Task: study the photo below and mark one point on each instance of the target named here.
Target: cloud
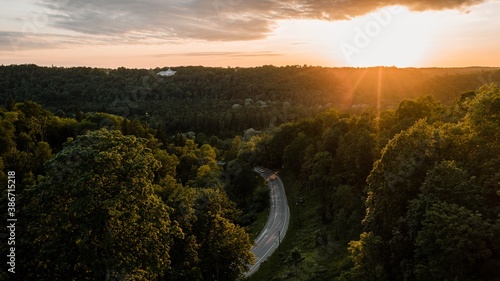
(167, 19)
(212, 20)
(16, 41)
(223, 54)
(345, 9)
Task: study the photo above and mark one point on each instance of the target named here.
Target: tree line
(227, 101)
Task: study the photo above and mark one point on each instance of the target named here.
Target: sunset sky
(157, 33)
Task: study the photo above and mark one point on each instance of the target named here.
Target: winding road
(277, 223)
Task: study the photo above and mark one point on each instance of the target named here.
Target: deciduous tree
(95, 215)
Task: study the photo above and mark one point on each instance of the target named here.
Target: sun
(392, 36)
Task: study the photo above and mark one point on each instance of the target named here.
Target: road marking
(261, 235)
(279, 205)
(257, 263)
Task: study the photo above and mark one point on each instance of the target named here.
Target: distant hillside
(212, 100)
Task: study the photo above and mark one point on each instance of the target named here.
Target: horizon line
(258, 66)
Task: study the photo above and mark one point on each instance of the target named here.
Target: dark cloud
(214, 20)
(345, 9)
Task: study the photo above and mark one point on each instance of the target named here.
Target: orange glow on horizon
(392, 36)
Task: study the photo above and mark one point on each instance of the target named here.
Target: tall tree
(453, 244)
(224, 246)
(95, 215)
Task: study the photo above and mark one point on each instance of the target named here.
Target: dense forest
(102, 198)
(126, 175)
(226, 101)
(405, 194)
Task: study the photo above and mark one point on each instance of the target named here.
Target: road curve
(277, 223)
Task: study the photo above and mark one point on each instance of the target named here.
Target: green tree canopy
(95, 215)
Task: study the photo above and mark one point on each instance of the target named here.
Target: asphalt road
(277, 223)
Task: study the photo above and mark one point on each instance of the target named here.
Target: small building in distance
(168, 72)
